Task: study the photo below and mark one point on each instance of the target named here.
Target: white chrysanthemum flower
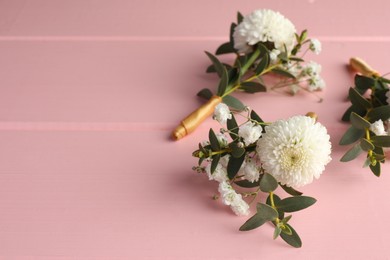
(219, 175)
(264, 26)
(222, 113)
(250, 132)
(315, 46)
(231, 198)
(251, 172)
(239, 206)
(295, 151)
(378, 128)
(222, 139)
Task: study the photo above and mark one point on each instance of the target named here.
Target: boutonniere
(369, 116)
(252, 158)
(261, 43)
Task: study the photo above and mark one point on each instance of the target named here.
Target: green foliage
(205, 93)
(253, 87)
(214, 162)
(213, 141)
(264, 214)
(358, 100)
(256, 117)
(234, 166)
(359, 122)
(225, 48)
(233, 103)
(216, 63)
(232, 127)
(297, 203)
(283, 72)
(293, 240)
(268, 183)
(381, 141)
(352, 153)
(291, 190)
(382, 112)
(366, 145)
(237, 151)
(352, 135)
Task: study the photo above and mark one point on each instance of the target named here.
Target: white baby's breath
(264, 26)
(218, 175)
(315, 46)
(251, 172)
(295, 151)
(231, 198)
(222, 113)
(378, 128)
(222, 140)
(250, 132)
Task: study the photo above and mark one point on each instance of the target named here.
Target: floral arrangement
(263, 42)
(369, 115)
(260, 157)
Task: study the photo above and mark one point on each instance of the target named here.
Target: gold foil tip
(362, 67)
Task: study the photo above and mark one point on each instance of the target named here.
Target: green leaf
(268, 183)
(205, 93)
(225, 48)
(234, 166)
(352, 153)
(287, 230)
(223, 83)
(232, 127)
(293, 204)
(283, 73)
(359, 122)
(367, 162)
(217, 64)
(264, 213)
(237, 152)
(277, 232)
(253, 87)
(366, 145)
(214, 162)
(263, 64)
(376, 170)
(213, 141)
(381, 140)
(358, 100)
(276, 200)
(291, 190)
(231, 38)
(247, 184)
(382, 112)
(293, 240)
(256, 117)
(353, 108)
(351, 135)
(239, 17)
(363, 83)
(233, 103)
(296, 59)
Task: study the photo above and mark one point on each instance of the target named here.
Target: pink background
(89, 92)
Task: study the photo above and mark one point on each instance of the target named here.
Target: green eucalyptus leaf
(276, 200)
(225, 48)
(233, 103)
(263, 64)
(217, 64)
(367, 162)
(382, 112)
(232, 127)
(253, 87)
(293, 240)
(353, 108)
(231, 38)
(351, 135)
(363, 83)
(358, 100)
(287, 230)
(291, 190)
(205, 93)
(247, 184)
(296, 59)
(213, 141)
(366, 145)
(376, 169)
(256, 117)
(352, 153)
(254, 222)
(234, 165)
(283, 73)
(381, 140)
(359, 122)
(277, 232)
(223, 83)
(214, 162)
(237, 151)
(268, 183)
(293, 204)
(239, 17)
(267, 212)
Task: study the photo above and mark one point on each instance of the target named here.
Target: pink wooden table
(89, 92)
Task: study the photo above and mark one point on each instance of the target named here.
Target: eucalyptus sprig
(261, 157)
(369, 115)
(279, 52)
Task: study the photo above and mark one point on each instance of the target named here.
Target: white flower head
(222, 113)
(219, 175)
(273, 55)
(231, 198)
(312, 69)
(222, 139)
(251, 172)
(378, 128)
(239, 206)
(250, 132)
(264, 26)
(316, 83)
(295, 151)
(315, 46)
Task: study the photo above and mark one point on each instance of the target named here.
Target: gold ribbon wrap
(362, 67)
(193, 120)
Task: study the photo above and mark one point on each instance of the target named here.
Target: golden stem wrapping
(193, 120)
(362, 67)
